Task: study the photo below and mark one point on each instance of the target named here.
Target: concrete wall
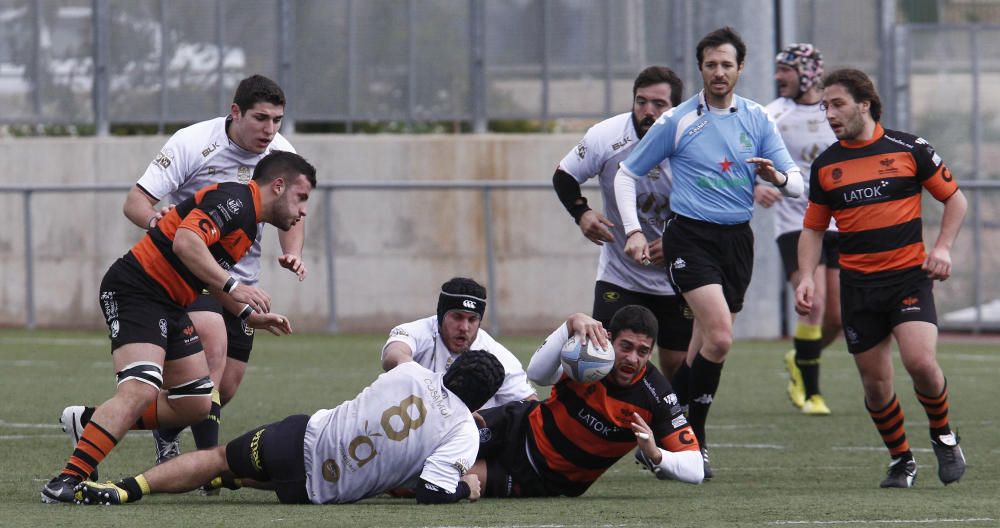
(392, 249)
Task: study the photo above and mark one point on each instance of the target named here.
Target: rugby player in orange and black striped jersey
(871, 182)
(562, 445)
(143, 294)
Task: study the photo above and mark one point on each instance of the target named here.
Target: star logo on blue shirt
(725, 164)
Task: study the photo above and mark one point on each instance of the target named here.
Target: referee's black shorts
(788, 246)
(700, 253)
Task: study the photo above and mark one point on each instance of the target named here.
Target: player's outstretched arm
(544, 367)
(428, 493)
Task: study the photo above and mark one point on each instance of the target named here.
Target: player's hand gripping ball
(585, 362)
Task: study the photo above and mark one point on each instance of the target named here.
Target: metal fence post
(886, 61)
(477, 66)
(977, 218)
(29, 263)
(331, 282)
(607, 57)
(546, 18)
(220, 43)
(352, 66)
(411, 64)
(162, 125)
(491, 272)
(101, 48)
(286, 61)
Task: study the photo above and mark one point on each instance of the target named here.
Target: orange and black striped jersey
(224, 215)
(584, 428)
(873, 189)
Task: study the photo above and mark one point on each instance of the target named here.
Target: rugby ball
(584, 362)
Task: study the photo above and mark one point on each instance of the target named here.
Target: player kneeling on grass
(409, 423)
(163, 378)
(562, 445)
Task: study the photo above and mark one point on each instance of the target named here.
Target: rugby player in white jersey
(435, 342)
(410, 427)
(620, 280)
(803, 127)
(223, 149)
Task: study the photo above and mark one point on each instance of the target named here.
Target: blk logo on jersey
(210, 149)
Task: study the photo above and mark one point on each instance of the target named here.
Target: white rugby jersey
(201, 155)
(428, 348)
(806, 134)
(602, 148)
(403, 426)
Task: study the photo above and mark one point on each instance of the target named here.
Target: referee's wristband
(230, 285)
(785, 182)
(245, 312)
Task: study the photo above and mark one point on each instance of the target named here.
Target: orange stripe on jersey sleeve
(896, 259)
(162, 272)
(199, 222)
(942, 184)
(680, 440)
(817, 217)
(878, 215)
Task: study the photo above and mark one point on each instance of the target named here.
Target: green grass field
(773, 466)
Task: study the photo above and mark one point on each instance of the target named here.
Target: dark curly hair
(635, 318)
(474, 377)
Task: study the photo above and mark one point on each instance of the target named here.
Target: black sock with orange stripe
(889, 422)
(936, 408)
(94, 445)
(705, 376)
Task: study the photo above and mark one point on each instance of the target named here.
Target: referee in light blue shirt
(717, 143)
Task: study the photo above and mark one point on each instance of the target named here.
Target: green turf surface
(773, 466)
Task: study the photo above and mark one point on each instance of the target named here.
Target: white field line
(49, 363)
(16, 425)
(30, 437)
(878, 448)
(53, 341)
(888, 521)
